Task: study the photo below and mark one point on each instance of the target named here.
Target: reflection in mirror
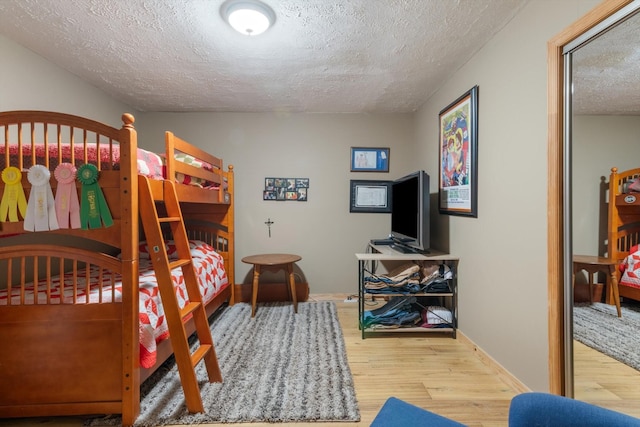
(605, 133)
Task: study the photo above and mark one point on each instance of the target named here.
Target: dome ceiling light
(249, 17)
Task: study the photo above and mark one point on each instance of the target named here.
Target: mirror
(604, 126)
(559, 230)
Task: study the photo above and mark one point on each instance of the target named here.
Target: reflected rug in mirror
(276, 367)
(598, 326)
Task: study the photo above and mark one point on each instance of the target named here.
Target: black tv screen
(410, 211)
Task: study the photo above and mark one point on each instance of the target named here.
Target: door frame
(558, 354)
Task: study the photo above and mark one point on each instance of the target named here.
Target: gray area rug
(276, 367)
(598, 326)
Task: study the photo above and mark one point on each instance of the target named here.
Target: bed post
(230, 222)
(130, 297)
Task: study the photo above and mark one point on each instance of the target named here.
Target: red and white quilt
(631, 268)
(212, 279)
(149, 164)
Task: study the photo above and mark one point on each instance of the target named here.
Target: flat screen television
(410, 212)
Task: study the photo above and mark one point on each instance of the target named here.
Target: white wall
(503, 268)
(29, 82)
(599, 143)
(314, 146)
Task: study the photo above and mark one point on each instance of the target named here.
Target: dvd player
(382, 241)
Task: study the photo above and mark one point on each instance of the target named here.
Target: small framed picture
(369, 159)
(302, 194)
(370, 196)
(269, 184)
(294, 189)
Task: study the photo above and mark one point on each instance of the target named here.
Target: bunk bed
(77, 350)
(624, 228)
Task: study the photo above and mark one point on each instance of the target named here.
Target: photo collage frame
(283, 189)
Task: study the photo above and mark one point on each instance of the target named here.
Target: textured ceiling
(606, 77)
(321, 55)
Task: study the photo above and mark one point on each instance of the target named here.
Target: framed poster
(369, 159)
(458, 141)
(370, 196)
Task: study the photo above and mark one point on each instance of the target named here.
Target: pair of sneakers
(434, 272)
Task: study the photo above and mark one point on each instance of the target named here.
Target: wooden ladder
(152, 225)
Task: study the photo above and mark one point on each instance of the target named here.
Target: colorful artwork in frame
(458, 141)
(369, 159)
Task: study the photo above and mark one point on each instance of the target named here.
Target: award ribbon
(66, 201)
(41, 214)
(94, 210)
(13, 199)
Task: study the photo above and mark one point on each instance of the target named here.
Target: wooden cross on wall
(269, 222)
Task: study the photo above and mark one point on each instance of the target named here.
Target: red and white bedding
(149, 164)
(630, 268)
(212, 279)
(192, 180)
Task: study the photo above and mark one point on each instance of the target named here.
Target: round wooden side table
(272, 262)
(593, 265)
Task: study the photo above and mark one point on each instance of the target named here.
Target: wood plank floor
(603, 381)
(441, 374)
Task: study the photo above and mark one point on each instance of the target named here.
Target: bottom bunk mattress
(209, 267)
(630, 268)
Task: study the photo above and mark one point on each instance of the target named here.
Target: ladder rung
(169, 219)
(179, 263)
(200, 353)
(189, 308)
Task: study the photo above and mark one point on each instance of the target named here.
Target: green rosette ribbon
(94, 210)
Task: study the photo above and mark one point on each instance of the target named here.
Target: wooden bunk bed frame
(624, 223)
(83, 358)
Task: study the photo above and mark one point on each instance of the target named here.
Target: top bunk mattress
(104, 156)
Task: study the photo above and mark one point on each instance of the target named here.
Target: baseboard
(269, 292)
(500, 370)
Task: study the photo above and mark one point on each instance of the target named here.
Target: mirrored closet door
(602, 131)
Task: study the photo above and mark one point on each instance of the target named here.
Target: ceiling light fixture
(249, 17)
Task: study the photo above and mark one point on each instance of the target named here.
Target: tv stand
(386, 257)
(403, 249)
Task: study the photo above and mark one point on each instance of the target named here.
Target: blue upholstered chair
(398, 413)
(526, 410)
